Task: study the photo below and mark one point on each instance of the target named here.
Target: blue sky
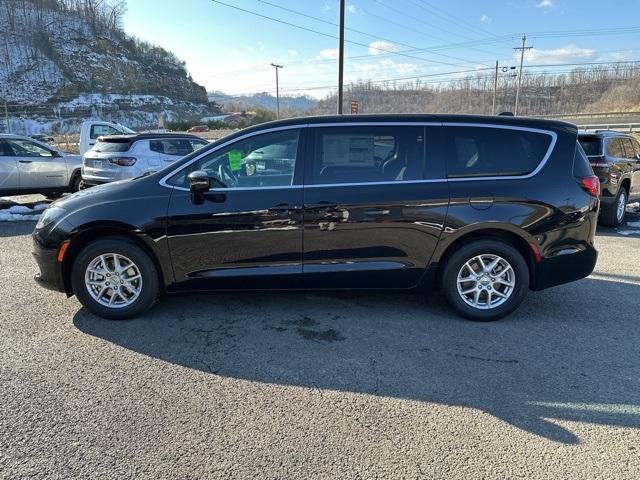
(230, 50)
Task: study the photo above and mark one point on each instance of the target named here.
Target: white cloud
(568, 54)
(380, 46)
(545, 4)
(328, 53)
(292, 52)
(484, 18)
(351, 8)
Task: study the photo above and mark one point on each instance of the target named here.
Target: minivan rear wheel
(485, 280)
(115, 279)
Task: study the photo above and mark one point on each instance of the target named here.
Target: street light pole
(341, 58)
(276, 66)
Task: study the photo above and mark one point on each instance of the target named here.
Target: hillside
(66, 58)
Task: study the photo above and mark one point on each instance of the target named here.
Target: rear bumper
(565, 267)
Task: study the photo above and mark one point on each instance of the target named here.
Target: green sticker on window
(235, 160)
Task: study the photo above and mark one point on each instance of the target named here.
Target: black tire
(74, 186)
(609, 216)
(150, 285)
(83, 185)
(466, 253)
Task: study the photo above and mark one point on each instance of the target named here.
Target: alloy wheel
(486, 281)
(113, 280)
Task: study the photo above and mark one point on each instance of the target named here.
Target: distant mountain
(264, 100)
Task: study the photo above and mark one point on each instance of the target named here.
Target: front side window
(367, 154)
(266, 160)
(489, 151)
(24, 148)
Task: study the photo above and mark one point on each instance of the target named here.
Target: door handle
(25, 161)
(283, 207)
(321, 205)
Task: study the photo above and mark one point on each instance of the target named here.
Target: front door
(39, 166)
(372, 216)
(247, 232)
(9, 176)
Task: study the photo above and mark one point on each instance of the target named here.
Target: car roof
(133, 137)
(418, 118)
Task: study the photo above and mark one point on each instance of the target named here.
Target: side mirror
(199, 181)
(199, 184)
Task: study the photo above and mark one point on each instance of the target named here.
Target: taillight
(123, 161)
(590, 184)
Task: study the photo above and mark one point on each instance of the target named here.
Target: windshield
(592, 146)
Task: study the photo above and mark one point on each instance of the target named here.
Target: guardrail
(589, 115)
(625, 127)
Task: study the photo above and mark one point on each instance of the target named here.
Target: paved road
(322, 386)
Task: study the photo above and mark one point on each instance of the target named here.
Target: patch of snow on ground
(18, 213)
(629, 232)
(633, 224)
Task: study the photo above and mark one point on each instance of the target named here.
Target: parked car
(485, 208)
(118, 157)
(615, 159)
(41, 137)
(30, 166)
(198, 128)
(91, 130)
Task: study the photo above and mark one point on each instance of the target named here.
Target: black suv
(484, 208)
(615, 159)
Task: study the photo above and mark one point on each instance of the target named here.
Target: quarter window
(367, 154)
(266, 160)
(628, 148)
(490, 151)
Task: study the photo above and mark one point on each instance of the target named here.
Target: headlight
(51, 214)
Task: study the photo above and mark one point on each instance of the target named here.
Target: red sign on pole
(354, 107)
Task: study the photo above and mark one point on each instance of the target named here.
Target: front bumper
(50, 274)
(565, 267)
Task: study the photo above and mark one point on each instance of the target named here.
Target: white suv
(119, 157)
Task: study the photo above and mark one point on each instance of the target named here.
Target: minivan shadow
(564, 356)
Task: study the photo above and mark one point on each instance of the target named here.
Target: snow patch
(629, 232)
(22, 213)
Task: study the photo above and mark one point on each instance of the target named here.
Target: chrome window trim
(541, 165)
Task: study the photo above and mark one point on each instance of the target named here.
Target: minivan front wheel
(485, 280)
(115, 279)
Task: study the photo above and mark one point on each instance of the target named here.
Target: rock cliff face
(51, 51)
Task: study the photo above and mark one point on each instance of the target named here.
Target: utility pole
(522, 49)
(341, 58)
(6, 116)
(276, 66)
(495, 90)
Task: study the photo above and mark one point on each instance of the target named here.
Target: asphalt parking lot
(323, 386)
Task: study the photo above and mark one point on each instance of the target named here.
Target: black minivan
(483, 208)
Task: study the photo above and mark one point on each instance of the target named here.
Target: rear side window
(614, 148)
(367, 154)
(112, 146)
(100, 130)
(489, 151)
(592, 146)
(178, 147)
(628, 148)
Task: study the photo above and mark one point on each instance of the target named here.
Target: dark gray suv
(615, 159)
